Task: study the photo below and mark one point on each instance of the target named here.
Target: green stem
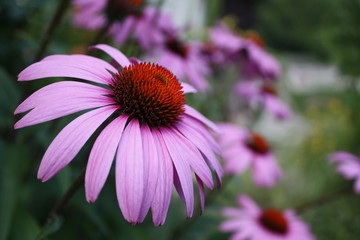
(49, 33)
(75, 186)
(323, 200)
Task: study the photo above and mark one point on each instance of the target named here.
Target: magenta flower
(156, 138)
(128, 18)
(184, 60)
(348, 165)
(249, 222)
(229, 47)
(242, 149)
(263, 95)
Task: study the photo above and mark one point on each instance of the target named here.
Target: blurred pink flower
(184, 60)
(242, 148)
(147, 24)
(149, 28)
(249, 222)
(349, 166)
(229, 47)
(158, 140)
(263, 95)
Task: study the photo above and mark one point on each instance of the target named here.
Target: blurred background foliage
(324, 30)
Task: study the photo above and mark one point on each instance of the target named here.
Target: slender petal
(195, 114)
(151, 170)
(182, 168)
(70, 140)
(162, 197)
(60, 90)
(75, 66)
(56, 107)
(201, 193)
(101, 157)
(187, 88)
(190, 154)
(130, 171)
(114, 53)
(200, 142)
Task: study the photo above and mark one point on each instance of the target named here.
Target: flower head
(156, 139)
(127, 17)
(252, 223)
(348, 165)
(263, 95)
(184, 59)
(242, 149)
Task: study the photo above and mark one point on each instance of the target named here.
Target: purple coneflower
(263, 95)
(249, 222)
(156, 138)
(126, 17)
(348, 166)
(184, 59)
(242, 148)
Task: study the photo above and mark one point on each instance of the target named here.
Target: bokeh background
(318, 46)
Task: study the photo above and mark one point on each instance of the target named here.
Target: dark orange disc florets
(177, 47)
(149, 93)
(257, 143)
(269, 88)
(274, 221)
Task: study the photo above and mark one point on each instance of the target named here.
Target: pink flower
(242, 148)
(128, 18)
(149, 28)
(349, 166)
(257, 63)
(184, 60)
(265, 96)
(156, 138)
(230, 47)
(249, 222)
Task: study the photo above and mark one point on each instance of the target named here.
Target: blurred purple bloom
(148, 25)
(263, 95)
(250, 222)
(349, 166)
(242, 149)
(156, 139)
(184, 60)
(229, 47)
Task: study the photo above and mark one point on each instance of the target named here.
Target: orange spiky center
(269, 88)
(255, 38)
(149, 93)
(177, 47)
(274, 221)
(257, 143)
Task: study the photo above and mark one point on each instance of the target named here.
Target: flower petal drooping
(158, 141)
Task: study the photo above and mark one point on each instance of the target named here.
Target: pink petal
(75, 66)
(122, 31)
(182, 168)
(101, 157)
(187, 88)
(249, 205)
(130, 169)
(201, 193)
(57, 106)
(57, 91)
(190, 154)
(200, 128)
(195, 114)
(151, 169)
(114, 53)
(70, 140)
(162, 197)
(200, 142)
